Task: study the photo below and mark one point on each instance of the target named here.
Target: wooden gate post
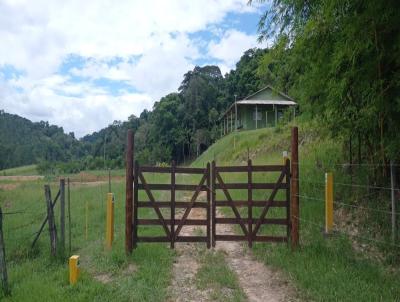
(173, 167)
(294, 200)
(208, 207)
(249, 204)
(213, 205)
(129, 191)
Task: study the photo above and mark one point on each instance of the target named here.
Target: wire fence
(336, 231)
(88, 196)
(24, 215)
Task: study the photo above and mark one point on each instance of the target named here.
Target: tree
(344, 67)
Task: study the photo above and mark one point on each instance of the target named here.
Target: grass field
(24, 170)
(106, 276)
(323, 269)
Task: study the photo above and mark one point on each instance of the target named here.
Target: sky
(83, 64)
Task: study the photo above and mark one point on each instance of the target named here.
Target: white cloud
(37, 37)
(157, 72)
(78, 107)
(230, 48)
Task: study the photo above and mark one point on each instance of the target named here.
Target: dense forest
(339, 59)
(24, 142)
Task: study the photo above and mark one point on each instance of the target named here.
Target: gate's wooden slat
(168, 221)
(156, 209)
(167, 187)
(244, 203)
(258, 168)
(231, 237)
(243, 186)
(268, 168)
(152, 169)
(190, 170)
(153, 239)
(192, 201)
(270, 239)
(254, 239)
(178, 239)
(278, 221)
(191, 239)
(228, 196)
(270, 199)
(167, 204)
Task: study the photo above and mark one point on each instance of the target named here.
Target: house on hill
(261, 109)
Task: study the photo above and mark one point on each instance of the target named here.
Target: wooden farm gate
(250, 225)
(250, 212)
(171, 225)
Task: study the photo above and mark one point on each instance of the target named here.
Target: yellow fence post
(110, 220)
(73, 269)
(328, 202)
(285, 157)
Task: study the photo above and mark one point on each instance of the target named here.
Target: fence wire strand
(347, 234)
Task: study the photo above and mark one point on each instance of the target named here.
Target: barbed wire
(349, 205)
(345, 164)
(347, 234)
(347, 184)
(366, 208)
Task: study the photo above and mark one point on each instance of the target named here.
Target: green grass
(24, 170)
(215, 274)
(322, 269)
(33, 276)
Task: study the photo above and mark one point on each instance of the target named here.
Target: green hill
(23, 142)
(354, 264)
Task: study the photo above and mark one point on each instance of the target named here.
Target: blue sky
(82, 65)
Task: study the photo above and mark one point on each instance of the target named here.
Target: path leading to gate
(258, 282)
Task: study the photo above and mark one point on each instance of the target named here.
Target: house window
(257, 115)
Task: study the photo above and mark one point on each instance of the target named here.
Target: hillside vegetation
(357, 262)
(24, 142)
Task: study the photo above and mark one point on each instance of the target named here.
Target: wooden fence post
(294, 201)
(62, 216)
(129, 191)
(52, 225)
(69, 216)
(110, 221)
(328, 202)
(393, 198)
(3, 266)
